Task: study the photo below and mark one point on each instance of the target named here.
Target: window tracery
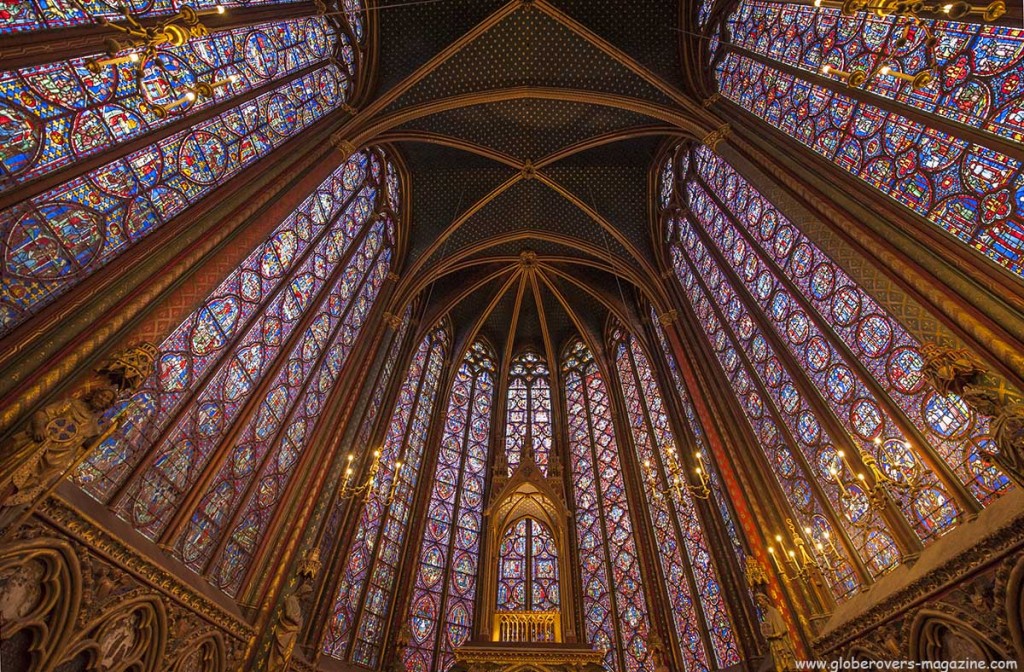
(770, 300)
(614, 600)
(528, 422)
(366, 591)
(280, 326)
(970, 190)
(278, 79)
(444, 589)
(691, 579)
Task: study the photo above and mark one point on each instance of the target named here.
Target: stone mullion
(496, 441)
(456, 507)
(43, 183)
(907, 540)
(279, 434)
(386, 510)
(673, 512)
(712, 525)
(263, 580)
(659, 607)
(939, 466)
(247, 413)
(599, 504)
(980, 301)
(340, 404)
(975, 135)
(124, 293)
(420, 505)
(198, 385)
(751, 487)
(835, 518)
(350, 522)
(38, 47)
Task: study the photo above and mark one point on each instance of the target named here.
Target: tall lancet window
(445, 586)
(786, 64)
(366, 591)
(529, 411)
(528, 568)
(137, 143)
(208, 445)
(854, 360)
(613, 594)
(691, 580)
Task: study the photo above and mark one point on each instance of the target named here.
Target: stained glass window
(691, 578)
(365, 594)
(196, 349)
(614, 606)
(33, 15)
(445, 583)
(931, 511)
(332, 526)
(284, 323)
(972, 191)
(281, 78)
(528, 425)
(700, 443)
(528, 568)
(780, 255)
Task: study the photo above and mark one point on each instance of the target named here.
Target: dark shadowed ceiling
(529, 129)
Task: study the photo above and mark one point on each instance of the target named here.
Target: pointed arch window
(698, 609)
(256, 363)
(444, 590)
(613, 593)
(864, 365)
(528, 424)
(366, 591)
(332, 526)
(891, 137)
(820, 348)
(700, 443)
(279, 79)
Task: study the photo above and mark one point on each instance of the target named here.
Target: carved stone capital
(393, 321)
(949, 370)
(668, 317)
(711, 100)
(345, 146)
(712, 139)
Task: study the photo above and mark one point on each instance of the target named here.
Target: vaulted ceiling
(530, 127)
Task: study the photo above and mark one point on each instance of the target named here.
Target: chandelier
(917, 15)
(139, 45)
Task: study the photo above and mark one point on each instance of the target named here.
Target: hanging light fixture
(917, 16)
(143, 44)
